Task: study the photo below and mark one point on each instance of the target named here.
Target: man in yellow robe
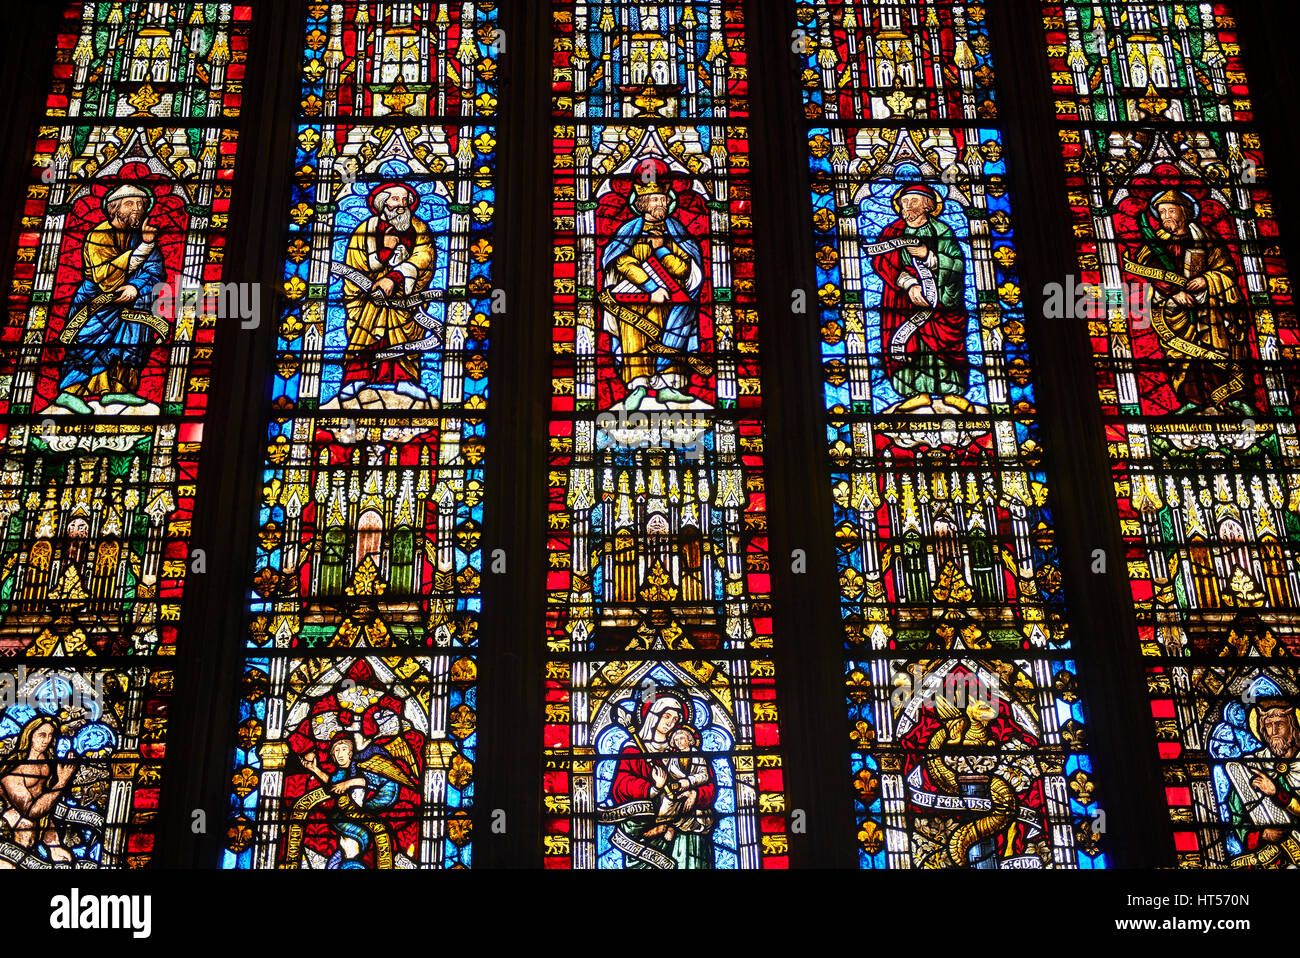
(1199, 314)
(394, 252)
(653, 275)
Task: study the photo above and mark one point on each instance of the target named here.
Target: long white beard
(399, 220)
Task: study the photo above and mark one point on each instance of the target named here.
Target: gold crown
(650, 189)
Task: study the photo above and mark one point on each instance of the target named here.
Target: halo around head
(1253, 716)
(919, 189)
(127, 191)
(664, 700)
(382, 191)
(655, 188)
(1175, 198)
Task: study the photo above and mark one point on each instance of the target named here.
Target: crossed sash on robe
(929, 289)
(625, 294)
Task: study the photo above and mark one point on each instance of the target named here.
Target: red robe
(944, 334)
(632, 781)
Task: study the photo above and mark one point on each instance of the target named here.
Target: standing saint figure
(1263, 804)
(111, 326)
(1198, 313)
(390, 260)
(643, 780)
(923, 303)
(653, 274)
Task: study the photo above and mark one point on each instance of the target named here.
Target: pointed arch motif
(658, 550)
(1194, 337)
(944, 529)
(368, 566)
(103, 387)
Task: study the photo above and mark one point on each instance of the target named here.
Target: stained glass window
(661, 730)
(966, 731)
(878, 60)
(1194, 333)
(364, 604)
(104, 375)
(344, 619)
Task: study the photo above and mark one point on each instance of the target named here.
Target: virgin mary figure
(643, 780)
